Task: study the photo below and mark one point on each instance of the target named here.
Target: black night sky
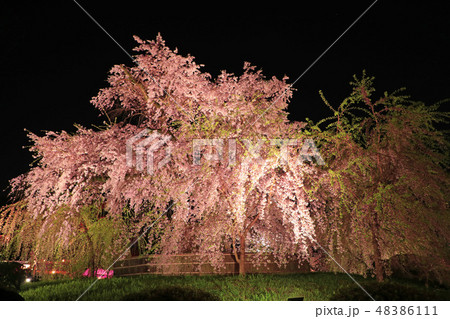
(54, 58)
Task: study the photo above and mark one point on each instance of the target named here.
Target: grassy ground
(312, 286)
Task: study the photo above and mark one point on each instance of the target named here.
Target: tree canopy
(254, 198)
(234, 173)
(385, 186)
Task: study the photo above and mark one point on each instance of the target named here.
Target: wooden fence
(189, 264)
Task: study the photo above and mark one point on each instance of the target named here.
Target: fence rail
(191, 264)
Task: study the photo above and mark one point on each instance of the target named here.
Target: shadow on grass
(9, 295)
(389, 292)
(170, 294)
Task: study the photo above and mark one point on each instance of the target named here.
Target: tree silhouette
(386, 180)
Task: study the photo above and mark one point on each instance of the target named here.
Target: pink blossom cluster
(99, 273)
(261, 200)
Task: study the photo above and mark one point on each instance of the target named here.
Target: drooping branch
(135, 81)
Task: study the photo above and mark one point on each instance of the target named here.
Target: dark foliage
(420, 268)
(389, 292)
(11, 275)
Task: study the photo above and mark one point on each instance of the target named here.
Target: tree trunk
(242, 238)
(91, 261)
(91, 257)
(134, 249)
(379, 272)
(242, 255)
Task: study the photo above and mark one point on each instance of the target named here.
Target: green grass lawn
(312, 286)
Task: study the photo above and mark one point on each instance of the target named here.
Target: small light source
(63, 260)
(28, 279)
(53, 272)
(26, 266)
